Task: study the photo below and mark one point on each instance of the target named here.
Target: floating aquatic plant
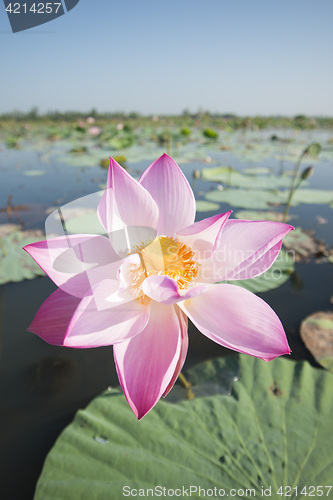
(313, 150)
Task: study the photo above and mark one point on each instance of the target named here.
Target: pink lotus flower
(94, 131)
(136, 288)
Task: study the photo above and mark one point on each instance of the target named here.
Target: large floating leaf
(313, 196)
(259, 215)
(302, 243)
(87, 223)
(206, 206)
(33, 173)
(15, 263)
(231, 177)
(274, 277)
(260, 199)
(79, 160)
(244, 198)
(256, 170)
(121, 142)
(274, 430)
(317, 334)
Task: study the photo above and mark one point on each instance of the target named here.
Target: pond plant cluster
(233, 422)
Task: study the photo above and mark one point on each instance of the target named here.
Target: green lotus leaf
(123, 142)
(245, 198)
(33, 173)
(185, 131)
(301, 242)
(79, 160)
(79, 149)
(210, 133)
(259, 215)
(231, 177)
(206, 206)
(313, 196)
(15, 263)
(327, 363)
(317, 334)
(264, 198)
(87, 223)
(257, 170)
(273, 431)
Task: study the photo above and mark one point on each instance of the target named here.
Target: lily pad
(124, 142)
(258, 215)
(84, 224)
(244, 198)
(264, 198)
(302, 243)
(210, 133)
(257, 170)
(313, 196)
(274, 277)
(274, 431)
(15, 263)
(6, 229)
(206, 206)
(317, 334)
(79, 160)
(33, 173)
(232, 177)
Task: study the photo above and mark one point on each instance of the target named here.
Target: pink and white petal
(246, 249)
(183, 348)
(236, 318)
(165, 290)
(53, 316)
(146, 363)
(105, 316)
(124, 272)
(125, 202)
(170, 189)
(72, 261)
(258, 266)
(203, 236)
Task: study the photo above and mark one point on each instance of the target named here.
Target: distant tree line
(191, 118)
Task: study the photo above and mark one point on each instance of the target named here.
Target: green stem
(2, 247)
(292, 187)
(187, 385)
(170, 144)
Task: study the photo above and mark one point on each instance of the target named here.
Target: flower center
(163, 256)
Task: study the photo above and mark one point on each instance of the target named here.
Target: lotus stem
(292, 186)
(2, 247)
(170, 144)
(187, 385)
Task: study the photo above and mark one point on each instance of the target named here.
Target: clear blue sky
(157, 56)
